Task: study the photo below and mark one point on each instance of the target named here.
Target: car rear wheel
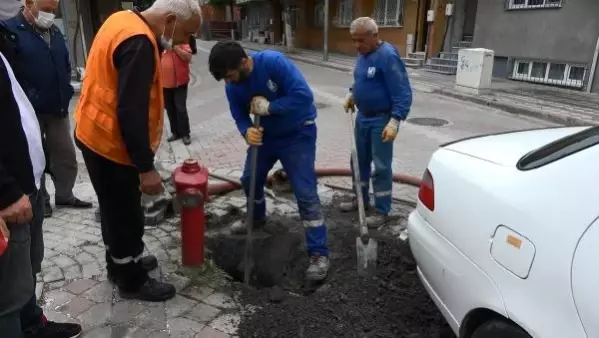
(497, 328)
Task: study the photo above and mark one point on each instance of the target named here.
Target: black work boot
(134, 283)
(148, 263)
(150, 291)
(47, 209)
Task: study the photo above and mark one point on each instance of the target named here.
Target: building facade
(546, 41)
(401, 22)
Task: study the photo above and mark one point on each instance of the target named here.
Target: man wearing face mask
(44, 60)
(119, 121)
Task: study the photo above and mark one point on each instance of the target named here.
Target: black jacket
(16, 171)
(193, 44)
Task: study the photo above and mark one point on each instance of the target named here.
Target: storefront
(79, 21)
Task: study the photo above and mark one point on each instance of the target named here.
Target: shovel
(366, 247)
(249, 223)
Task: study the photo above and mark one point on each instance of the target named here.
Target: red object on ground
(191, 183)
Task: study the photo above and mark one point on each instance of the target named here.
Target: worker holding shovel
(267, 85)
(383, 96)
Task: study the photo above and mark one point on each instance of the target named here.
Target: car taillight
(426, 194)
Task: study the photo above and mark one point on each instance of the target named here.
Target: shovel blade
(367, 253)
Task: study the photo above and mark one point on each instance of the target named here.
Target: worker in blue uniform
(382, 94)
(268, 85)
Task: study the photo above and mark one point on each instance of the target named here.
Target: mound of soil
(391, 304)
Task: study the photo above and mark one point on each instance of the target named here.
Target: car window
(559, 149)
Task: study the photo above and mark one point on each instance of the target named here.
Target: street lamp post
(325, 50)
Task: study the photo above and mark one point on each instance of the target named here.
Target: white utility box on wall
(475, 70)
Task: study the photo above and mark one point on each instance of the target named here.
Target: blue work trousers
(297, 153)
(371, 148)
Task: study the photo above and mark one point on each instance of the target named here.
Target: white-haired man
(382, 94)
(119, 121)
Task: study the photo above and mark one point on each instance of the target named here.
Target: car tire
(497, 328)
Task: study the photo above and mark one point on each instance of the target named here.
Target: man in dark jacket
(21, 169)
(44, 59)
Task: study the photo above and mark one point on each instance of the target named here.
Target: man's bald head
(365, 34)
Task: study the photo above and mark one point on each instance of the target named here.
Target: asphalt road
(217, 141)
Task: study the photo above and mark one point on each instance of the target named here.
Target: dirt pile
(391, 304)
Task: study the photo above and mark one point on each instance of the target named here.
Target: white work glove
(390, 131)
(348, 103)
(259, 106)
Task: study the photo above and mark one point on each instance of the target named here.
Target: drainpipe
(593, 67)
(325, 50)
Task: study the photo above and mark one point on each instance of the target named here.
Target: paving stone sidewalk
(563, 106)
(73, 284)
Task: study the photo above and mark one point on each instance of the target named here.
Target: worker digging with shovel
(269, 86)
(382, 93)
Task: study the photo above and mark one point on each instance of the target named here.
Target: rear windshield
(559, 149)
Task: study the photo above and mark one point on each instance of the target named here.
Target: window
(554, 73)
(255, 16)
(531, 4)
(319, 14)
(345, 13)
(559, 149)
(388, 12)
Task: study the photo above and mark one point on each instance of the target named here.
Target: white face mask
(168, 43)
(44, 20)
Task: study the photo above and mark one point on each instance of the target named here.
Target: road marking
(433, 134)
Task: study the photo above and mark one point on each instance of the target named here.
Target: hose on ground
(280, 177)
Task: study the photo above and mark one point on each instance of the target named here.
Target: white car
(506, 233)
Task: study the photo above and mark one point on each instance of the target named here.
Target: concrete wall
(566, 34)
(70, 17)
(86, 9)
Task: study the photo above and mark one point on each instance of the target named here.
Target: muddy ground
(391, 304)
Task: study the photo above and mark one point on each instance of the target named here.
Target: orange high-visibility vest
(97, 124)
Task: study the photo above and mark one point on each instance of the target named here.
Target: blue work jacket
(45, 68)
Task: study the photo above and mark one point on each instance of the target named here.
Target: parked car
(506, 233)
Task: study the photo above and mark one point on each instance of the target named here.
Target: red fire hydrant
(191, 183)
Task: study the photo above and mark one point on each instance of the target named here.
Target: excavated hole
(278, 256)
(391, 304)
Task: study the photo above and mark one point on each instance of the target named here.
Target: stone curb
(513, 109)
